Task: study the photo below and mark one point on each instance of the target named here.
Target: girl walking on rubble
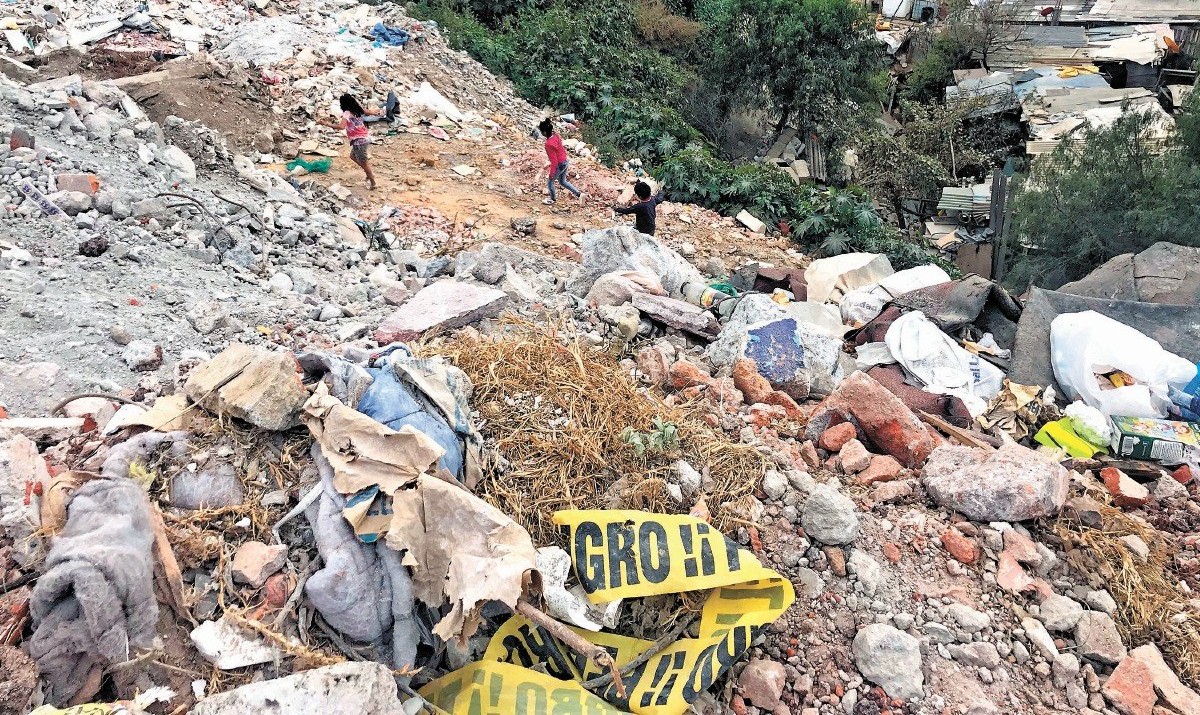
(356, 132)
(558, 162)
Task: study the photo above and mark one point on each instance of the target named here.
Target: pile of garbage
(610, 510)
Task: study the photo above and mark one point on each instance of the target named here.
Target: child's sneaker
(548, 202)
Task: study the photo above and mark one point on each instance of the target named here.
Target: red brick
(854, 457)
(960, 547)
(883, 468)
(1021, 547)
(1125, 492)
(836, 436)
(1130, 688)
(837, 560)
(809, 453)
(1010, 576)
(884, 418)
(687, 374)
(1183, 474)
(765, 415)
(754, 386)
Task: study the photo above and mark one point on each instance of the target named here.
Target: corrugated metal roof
(975, 199)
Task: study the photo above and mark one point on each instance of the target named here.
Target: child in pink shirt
(356, 132)
(558, 162)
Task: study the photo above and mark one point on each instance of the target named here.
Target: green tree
(1119, 190)
(811, 62)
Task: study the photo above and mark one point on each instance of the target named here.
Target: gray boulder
(830, 516)
(622, 248)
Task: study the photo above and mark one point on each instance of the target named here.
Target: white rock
(224, 645)
(360, 688)
(891, 659)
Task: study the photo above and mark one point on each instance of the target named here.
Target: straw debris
(556, 409)
(1150, 605)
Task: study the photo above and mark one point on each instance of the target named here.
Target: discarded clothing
(398, 390)
(362, 591)
(460, 548)
(317, 166)
(94, 605)
(386, 35)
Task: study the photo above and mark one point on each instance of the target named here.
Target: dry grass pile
(1150, 605)
(556, 409)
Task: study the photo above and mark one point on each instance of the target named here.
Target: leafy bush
(464, 32)
(694, 175)
(825, 222)
(1119, 191)
(812, 62)
(656, 23)
(652, 132)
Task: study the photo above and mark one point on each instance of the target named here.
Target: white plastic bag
(862, 305)
(1085, 344)
(940, 364)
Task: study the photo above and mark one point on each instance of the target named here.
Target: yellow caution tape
(627, 554)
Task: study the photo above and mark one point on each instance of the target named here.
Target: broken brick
(962, 549)
(836, 436)
(883, 468)
(1130, 688)
(1125, 492)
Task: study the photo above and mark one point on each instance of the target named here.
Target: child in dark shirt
(644, 208)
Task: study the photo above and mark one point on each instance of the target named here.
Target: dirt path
(416, 169)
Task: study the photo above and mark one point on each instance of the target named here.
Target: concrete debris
(1098, 639)
(257, 386)
(444, 305)
(830, 517)
(1009, 484)
(891, 659)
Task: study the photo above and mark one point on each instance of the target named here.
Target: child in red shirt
(558, 162)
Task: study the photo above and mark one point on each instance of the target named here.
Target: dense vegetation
(660, 79)
(658, 82)
(1121, 191)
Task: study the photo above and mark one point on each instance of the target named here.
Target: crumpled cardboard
(460, 549)
(1017, 410)
(363, 452)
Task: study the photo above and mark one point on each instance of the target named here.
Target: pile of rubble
(264, 441)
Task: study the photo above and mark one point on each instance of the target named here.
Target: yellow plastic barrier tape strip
(629, 554)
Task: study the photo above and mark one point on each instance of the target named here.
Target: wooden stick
(963, 436)
(574, 641)
(655, 648)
